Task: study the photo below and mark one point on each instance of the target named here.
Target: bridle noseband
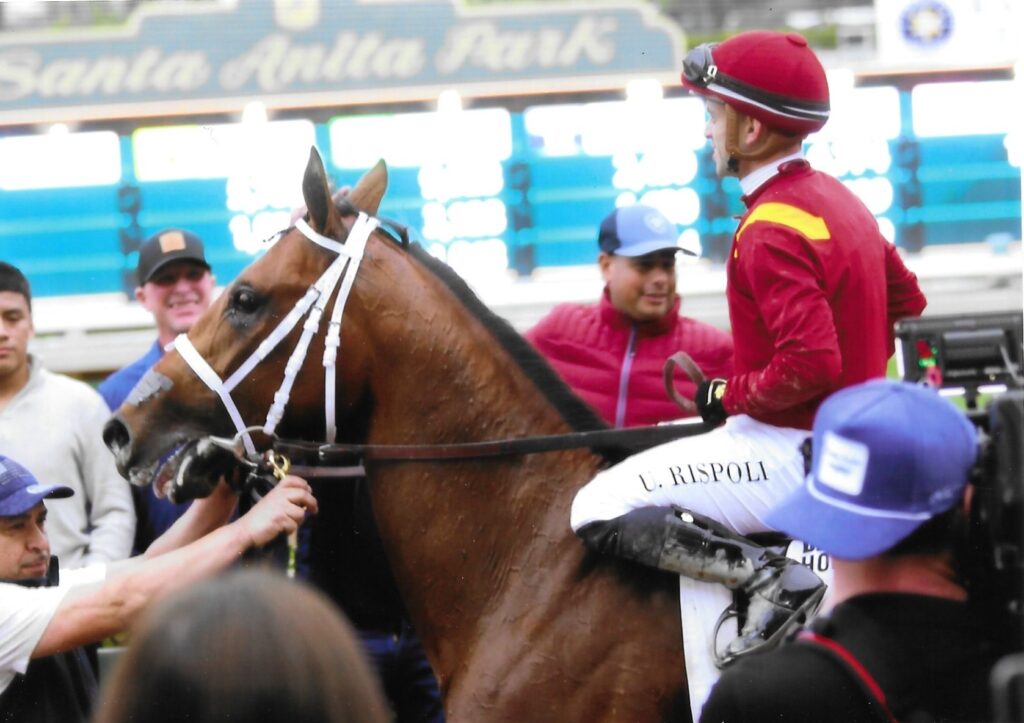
(344, 269)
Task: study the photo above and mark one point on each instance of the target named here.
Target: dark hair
(246, 647)
(11, 279)
(946, 532)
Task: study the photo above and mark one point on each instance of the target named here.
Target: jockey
(813, 290)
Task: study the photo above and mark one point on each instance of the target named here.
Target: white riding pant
(734, 474)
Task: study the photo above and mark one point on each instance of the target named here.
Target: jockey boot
(780, 595)
(780, 592)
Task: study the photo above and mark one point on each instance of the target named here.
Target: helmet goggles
(701, 71)
(699, 65)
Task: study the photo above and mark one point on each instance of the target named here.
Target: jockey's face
(24, 549)
(641, 287)
(715, 131)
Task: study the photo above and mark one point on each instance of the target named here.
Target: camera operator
(886, 496)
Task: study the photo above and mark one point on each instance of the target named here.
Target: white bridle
(343, 268)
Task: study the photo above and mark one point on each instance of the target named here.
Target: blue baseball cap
(20, 491)
(886, 457)
(637, 230)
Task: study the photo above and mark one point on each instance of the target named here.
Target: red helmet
(773, 77)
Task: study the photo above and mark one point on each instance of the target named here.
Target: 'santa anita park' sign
(186, 58)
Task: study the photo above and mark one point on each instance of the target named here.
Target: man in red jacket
(813, 291)
(612, 353)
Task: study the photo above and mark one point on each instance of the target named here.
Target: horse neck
(459, 534)
(439, 374)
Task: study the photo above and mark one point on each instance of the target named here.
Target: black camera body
(974, 356)
(996, 534)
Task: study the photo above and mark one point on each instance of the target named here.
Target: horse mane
(572, 409)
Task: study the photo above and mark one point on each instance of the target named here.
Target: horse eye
(245, 301)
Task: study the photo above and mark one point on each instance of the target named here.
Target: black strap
(603, 440)
(859, 644)
(865, 680)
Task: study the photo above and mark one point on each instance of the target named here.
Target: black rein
(339, 460)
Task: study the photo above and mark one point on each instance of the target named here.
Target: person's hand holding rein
(197, 546)
(281, 510)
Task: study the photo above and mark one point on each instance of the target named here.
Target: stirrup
(722, 660)
(798, 618)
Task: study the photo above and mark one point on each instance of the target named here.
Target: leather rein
(346, 460)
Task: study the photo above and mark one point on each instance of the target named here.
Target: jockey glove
(709, 401)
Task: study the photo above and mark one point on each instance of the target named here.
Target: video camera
(975, 356)
(963, 355)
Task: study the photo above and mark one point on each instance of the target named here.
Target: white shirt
(755, 179)
(25, 613)
(53, 428)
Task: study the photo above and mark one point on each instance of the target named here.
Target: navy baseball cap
(20, 491)
(169, 245)
(637, 230)
(887, 456)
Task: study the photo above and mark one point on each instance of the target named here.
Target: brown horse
(519, 622)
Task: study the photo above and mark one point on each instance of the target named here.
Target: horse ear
(370, 189)
(317, 194)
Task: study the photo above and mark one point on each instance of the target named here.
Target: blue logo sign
(928, 23)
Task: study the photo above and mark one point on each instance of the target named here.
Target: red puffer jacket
(615, 364)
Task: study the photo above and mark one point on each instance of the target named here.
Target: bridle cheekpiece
(343, 269)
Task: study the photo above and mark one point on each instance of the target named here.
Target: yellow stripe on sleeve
(810, 226)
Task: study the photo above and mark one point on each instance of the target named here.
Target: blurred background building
(510, 129)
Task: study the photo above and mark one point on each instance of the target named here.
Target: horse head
(234, 365)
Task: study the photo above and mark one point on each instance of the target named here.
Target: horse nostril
(115, 435)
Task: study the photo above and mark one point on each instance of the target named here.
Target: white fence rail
(94, 334)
